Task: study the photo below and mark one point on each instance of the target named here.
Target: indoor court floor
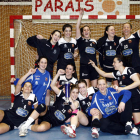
(83, 133)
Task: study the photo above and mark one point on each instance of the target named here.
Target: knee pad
(41, 108)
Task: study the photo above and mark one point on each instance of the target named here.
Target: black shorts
(89, 120)
(88, 72)
(137, 69)
(135, 98)
(7, 121)
(108, 70)
(50, 117)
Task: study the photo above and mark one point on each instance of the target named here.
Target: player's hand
(32, 71)
(39, 37)
(121, 107)
(61, 71)
(94, 112)
(92, 63)
(75, 54)
(81, 11)
(12, 80)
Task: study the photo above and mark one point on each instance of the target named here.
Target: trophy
(67, 93)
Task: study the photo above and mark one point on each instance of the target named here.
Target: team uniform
(129, 48)
(107, 53)
(112, 121)
(66, 53)
(85, 102)
(45, 49)
(40, 84)
(124, 79)
(58, 114)
(20, 111)
(87, 51)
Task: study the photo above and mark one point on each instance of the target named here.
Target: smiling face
(42, 64)
(117, 64)
(55, 37)
(67, 32)
(27, 88)
(74, 94)
(127, 29)
(69, 70)
(102, 85)
(86, 32)
(82, 89)
(111, 31)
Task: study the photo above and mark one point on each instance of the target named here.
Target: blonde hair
(101, 78)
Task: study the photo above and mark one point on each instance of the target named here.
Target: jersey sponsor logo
(108, 104)
(127, 52)
(59, 115)
(21, 112)
(55, 51)
(110, 52)
(110, 110)
(130, 41)
(90, 50)
(37, 78)
(68, 55)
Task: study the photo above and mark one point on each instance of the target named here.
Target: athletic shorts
(135, 98)
(137, 69)
(108, 70)
(7, 121)
(50, 117)
(88, 72)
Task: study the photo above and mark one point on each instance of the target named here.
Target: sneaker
(68, 131)
(128, 127)
(23, 131)
(94, 133)
(135, 131)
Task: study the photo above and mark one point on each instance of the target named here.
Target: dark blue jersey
(44, 48)
(22, 108)
(108, 104)
(66, 52)
(87, 50)
(129, 48)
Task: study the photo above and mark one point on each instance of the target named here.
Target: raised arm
(102, 73)
(22, 79)
(53, 83)
(78, 34)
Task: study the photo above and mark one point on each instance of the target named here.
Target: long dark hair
(106, 29)
(53, 33)
(74, 69)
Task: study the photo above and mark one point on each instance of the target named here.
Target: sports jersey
(66, 53)
(59, 113)
(87, 50)
(62, 80)
(85, 102)
(40, 84)
(130, 49)
(44, 48)
(107, 51)
(22, 108)
(124, 79)
(108, 104)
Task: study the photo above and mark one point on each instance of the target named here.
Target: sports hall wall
(26, 55)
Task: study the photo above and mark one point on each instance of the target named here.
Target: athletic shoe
(94, 132)
(23, 131)
(135, 131)
(68, 131)
(128, 127)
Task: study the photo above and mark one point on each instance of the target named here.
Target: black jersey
(130, 49)
(87, 50)
(62, 80)
(85, 102)
(124, 79)
(66, 52)
(22, 108)
(44, 48)
(107, 51)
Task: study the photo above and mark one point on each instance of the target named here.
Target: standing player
(87, 51)
(47, 48)
(68, 48)
(107, 45)
(22, 108)
(128, 80)
(85, 97)
(129, 47)
(41, 81)
(53, 115)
